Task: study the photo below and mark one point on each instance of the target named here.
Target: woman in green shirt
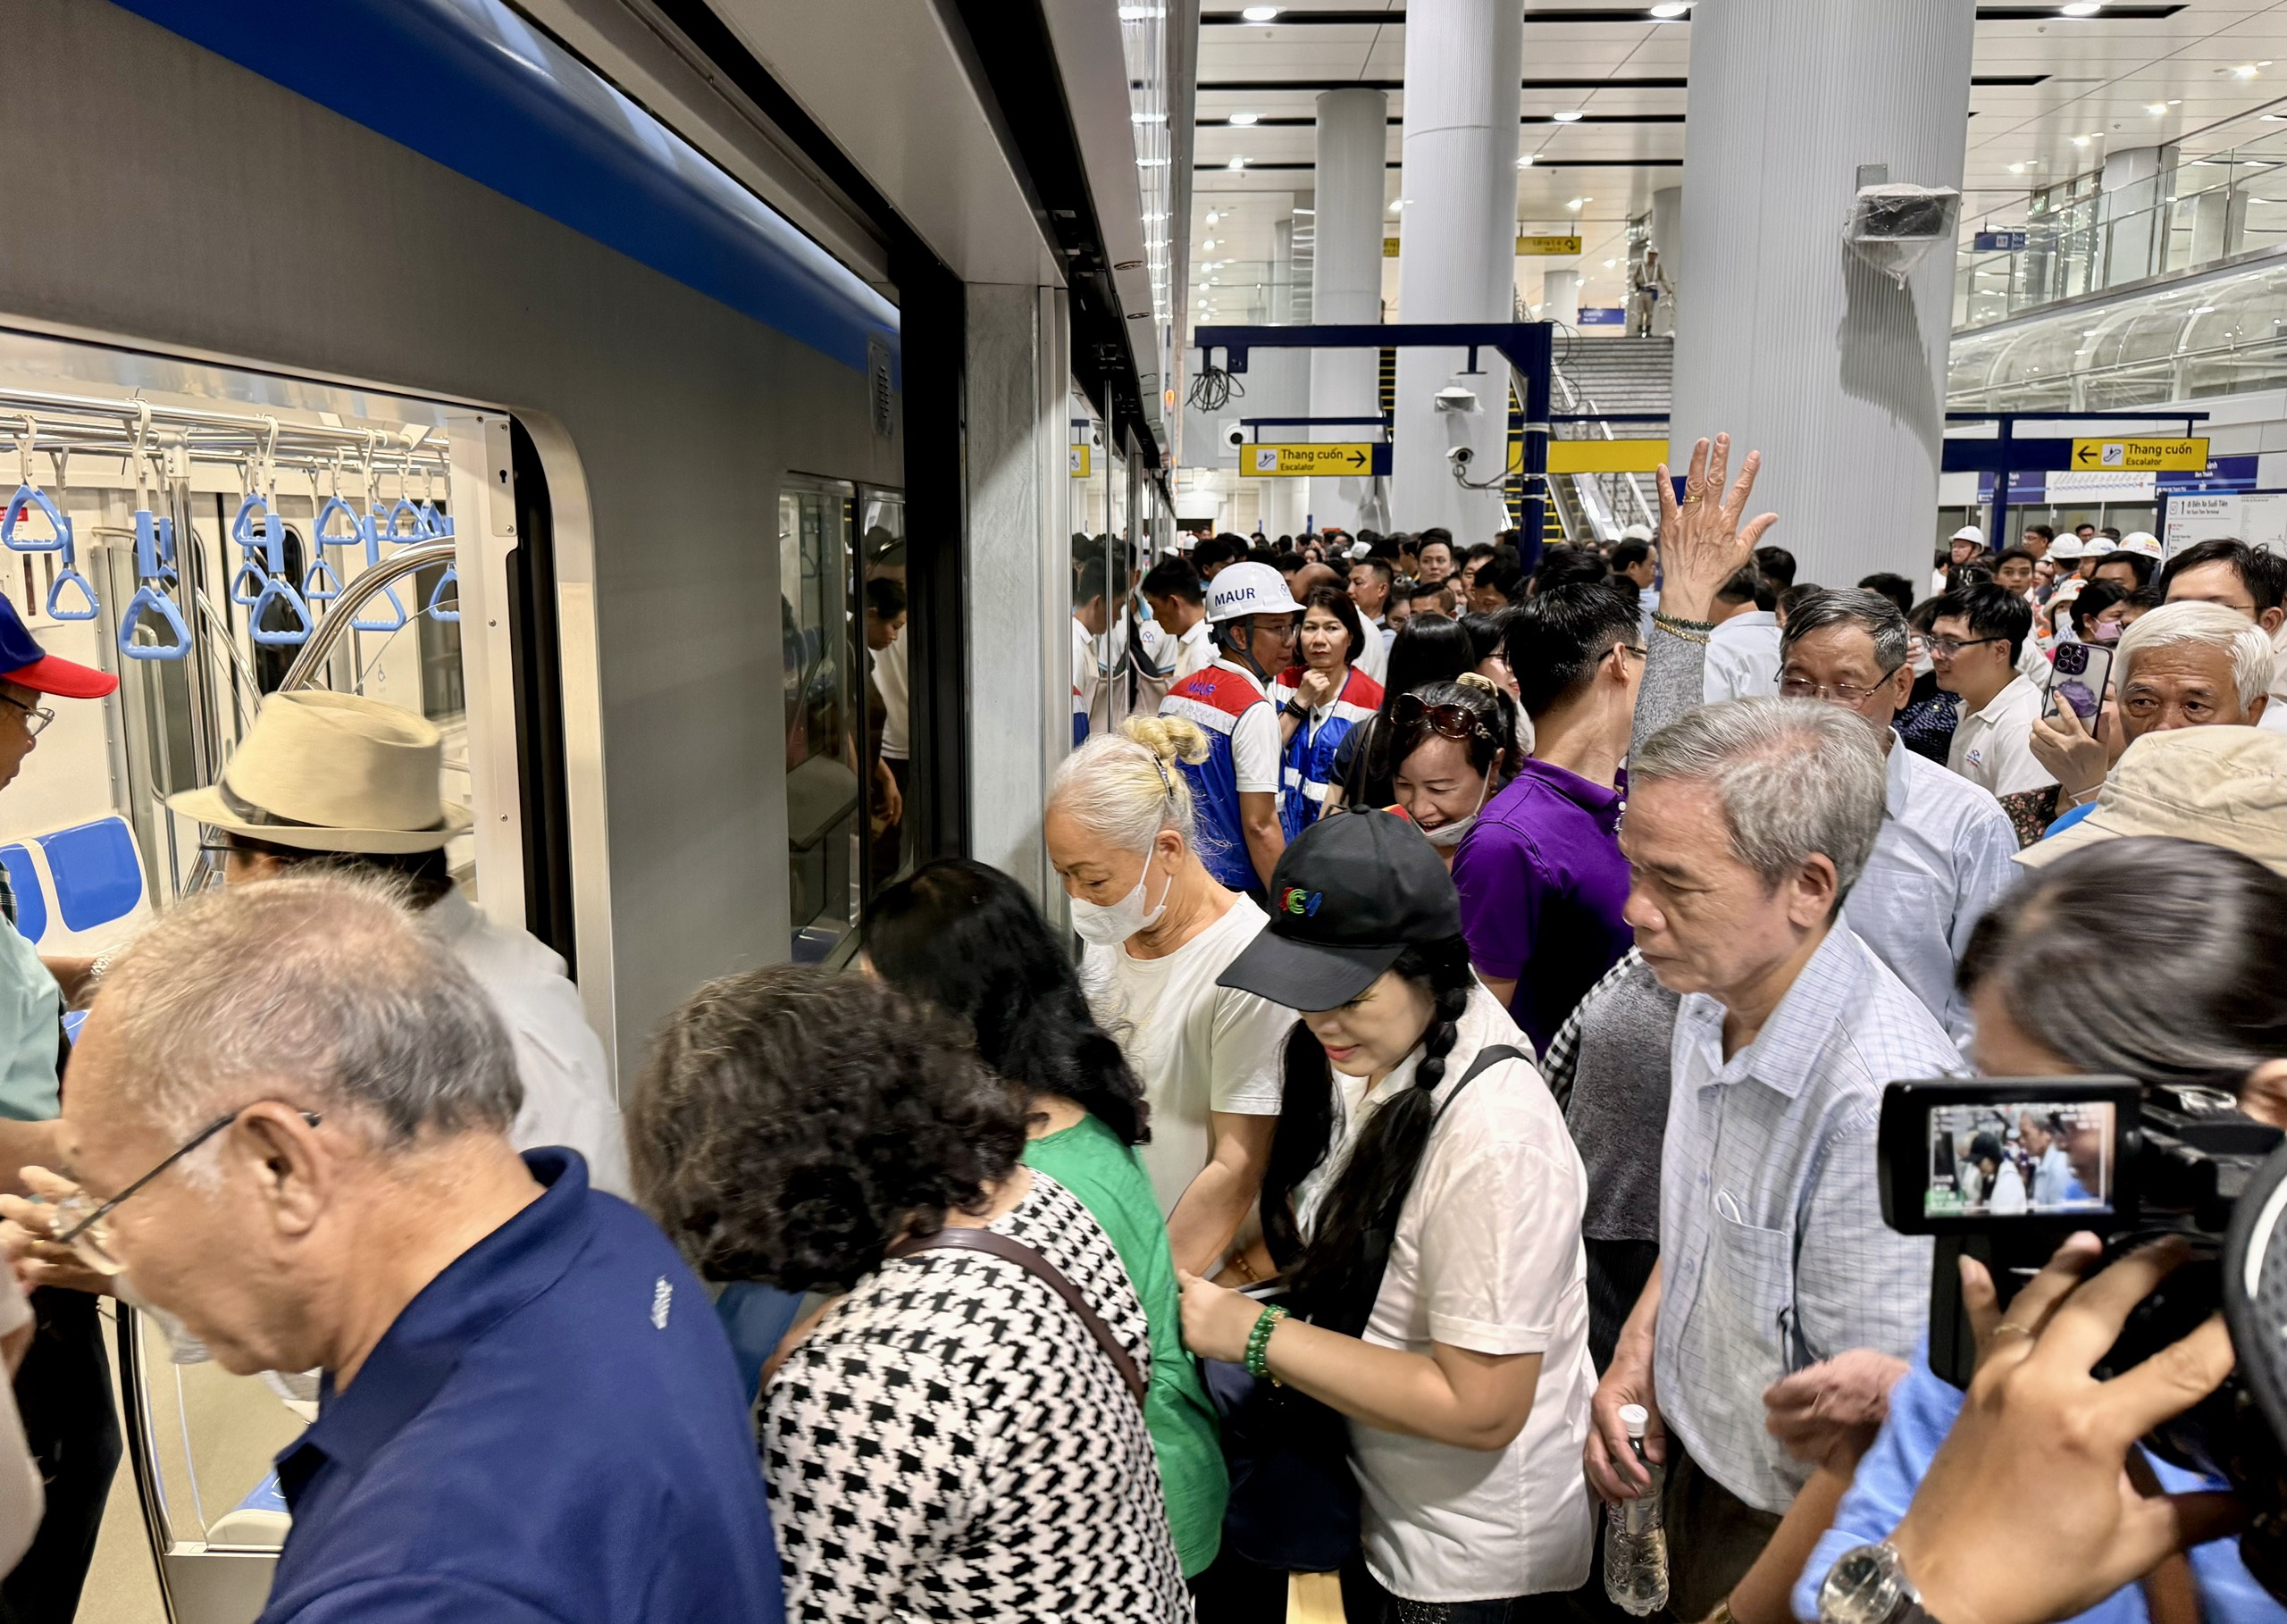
(967, 938)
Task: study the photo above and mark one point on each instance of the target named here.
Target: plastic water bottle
(1636, 1545)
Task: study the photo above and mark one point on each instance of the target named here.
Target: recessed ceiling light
(2246, 69)
(1236, 162)
(1212, 217)
(1610, 263)
(1568, 118)
(1575, 203)
(1668, 10)
(1260, 14)
(2156, 108)
(1242, 120)
(1207, 245)
(2017, 169)
(2080, 8)
(2080, 140)
(1526, 161)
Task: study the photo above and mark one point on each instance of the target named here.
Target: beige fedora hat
(332, 772)
(2225, 785)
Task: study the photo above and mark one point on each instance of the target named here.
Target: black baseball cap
(1354, 891)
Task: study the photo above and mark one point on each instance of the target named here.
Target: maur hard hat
(1249, 588)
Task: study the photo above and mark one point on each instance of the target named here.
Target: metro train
(388, 348)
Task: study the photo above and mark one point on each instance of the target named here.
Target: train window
(824, 718)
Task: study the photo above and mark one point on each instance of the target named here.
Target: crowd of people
(1459, 1116)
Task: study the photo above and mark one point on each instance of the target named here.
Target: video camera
(2003, 1168)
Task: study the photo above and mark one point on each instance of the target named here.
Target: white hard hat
(1361, 549)
(2067, 547)
(1249, 588)
(2095, 547)
(1637, 533)
(1970, 532)
(2140, 541)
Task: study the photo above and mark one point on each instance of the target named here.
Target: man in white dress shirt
(1975, 643)
(1179, 601)
(1946, 847)
(1743, 649)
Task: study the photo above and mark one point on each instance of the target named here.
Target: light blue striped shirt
(1773, 1251)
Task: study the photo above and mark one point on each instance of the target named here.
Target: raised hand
(1703, 542)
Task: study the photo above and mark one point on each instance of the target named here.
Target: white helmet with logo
(1249, 588)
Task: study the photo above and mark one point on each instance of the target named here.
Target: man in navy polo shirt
(288, 1117)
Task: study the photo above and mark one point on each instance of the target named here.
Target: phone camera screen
(2019, 1159)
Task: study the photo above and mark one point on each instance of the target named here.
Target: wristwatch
(1867, 1585)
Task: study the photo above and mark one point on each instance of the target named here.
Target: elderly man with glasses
(288, 1129)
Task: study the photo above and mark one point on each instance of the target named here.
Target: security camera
(1460, 457)
(1233, 436)
(1453, 397)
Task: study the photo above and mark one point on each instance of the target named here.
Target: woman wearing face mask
(2189, 986)
(1427, 648)
(1454, 751)
(1319, 701)
(1424, 1204)
(1122, 832)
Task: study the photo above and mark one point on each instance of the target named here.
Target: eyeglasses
(1846, 693)
(1454, 721)
(1948, 647)
(85, 1226)
(36, 717)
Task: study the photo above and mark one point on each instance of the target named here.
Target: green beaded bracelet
(1258, 1341)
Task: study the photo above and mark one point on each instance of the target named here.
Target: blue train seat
(31, 896)
(98, 876)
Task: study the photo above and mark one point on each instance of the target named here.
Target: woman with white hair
(2185, 665)
(1122, 832)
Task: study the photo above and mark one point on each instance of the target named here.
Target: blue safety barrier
(31, 901)
(98, 879)
(27, 499)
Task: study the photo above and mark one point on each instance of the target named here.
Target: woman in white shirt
(1122, 832)
(1458, 1345)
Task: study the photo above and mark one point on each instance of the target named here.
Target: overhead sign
(2258, 518)
(1999, 242)
(1597, 457)
(1525, 245)
(1604, 315)
(2141, 456)
(1080, 461)
(1355, 458)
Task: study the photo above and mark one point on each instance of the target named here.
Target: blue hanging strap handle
(28, 497)
(148, 599)
(155, 546)
(72, 577)
(246, 585)
(372, 561)
(336, 509)
(437, 610)
(321, 584)
(404, 511)
(242, 531)
(278, 588)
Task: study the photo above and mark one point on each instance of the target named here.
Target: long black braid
(1333, 1274)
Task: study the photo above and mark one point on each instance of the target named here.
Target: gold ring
(1688, 500)
(2007, 1325)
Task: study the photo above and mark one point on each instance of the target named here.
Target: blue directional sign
(1999, 242)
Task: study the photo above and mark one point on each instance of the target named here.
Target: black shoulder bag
(1294, 1505)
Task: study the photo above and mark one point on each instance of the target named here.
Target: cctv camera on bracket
(1453, 397)
(1460, 457)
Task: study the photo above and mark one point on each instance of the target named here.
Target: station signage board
(1999, 242)
(1080, 461)
(1288, 461)
(2142, 456)
(1527, 247)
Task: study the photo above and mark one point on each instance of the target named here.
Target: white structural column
(1346, 280)
(1786, 338)
(1285, 501)
(1667, 236)
(1463, 60)
(1560, 296)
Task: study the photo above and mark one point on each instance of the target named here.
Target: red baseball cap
(26, 664)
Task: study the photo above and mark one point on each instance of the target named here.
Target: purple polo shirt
(1541, 884)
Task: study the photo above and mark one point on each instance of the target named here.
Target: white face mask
(1108, 926)
(1445, 836)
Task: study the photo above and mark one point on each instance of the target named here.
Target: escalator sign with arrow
(1357, 459)
(2174, 453)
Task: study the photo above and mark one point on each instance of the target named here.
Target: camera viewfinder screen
(2019, 1159)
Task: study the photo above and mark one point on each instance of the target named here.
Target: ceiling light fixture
(1147, 118)
(1668, 10)
(1212, 217)
(1610, 263)
(1576, 202)
(1260, 14)
(1568, 118)
(1236, 164)
(2156, 108)
(1242, 120)
(2017, 169)
(2246, 69)
(2080, 8)
(1526, 161)
(2081, 140)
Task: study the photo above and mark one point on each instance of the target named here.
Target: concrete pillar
(1018, 385)
(1560, 296)
(1463, 59)
(1346, 280)
(1825, 366)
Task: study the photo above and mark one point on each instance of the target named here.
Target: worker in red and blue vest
(1318, 702)
(1235, 790)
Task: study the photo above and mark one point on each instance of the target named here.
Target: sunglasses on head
(1454, 721)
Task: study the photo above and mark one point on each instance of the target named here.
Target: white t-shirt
(1087, 676)
(1743, 658)
(1486, 1257)
(889, 683)
(1374, 658)
(1195, 1047)
(1993, 747)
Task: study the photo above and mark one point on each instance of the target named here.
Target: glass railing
(2202, 213)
